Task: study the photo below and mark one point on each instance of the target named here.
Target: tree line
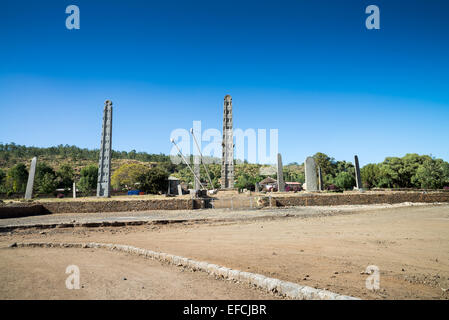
(410, 171)
(10, 151)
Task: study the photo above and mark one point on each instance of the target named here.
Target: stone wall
(20, 210)
(117, 206)
(359, 198)
(28, 209)
(316, 199)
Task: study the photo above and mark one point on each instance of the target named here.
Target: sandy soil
(410, 245)
(107, 275)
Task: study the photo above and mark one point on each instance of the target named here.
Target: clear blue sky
(308, 68)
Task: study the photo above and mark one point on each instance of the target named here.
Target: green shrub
(344, 180)
(154, 181)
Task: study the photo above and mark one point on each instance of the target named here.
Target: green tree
(390, 173)
(326, 163)
(341, 166)
(47, 183)
(127, 175)
(344, 180)
(154, 181)
(3, 188)
(370, 175)
(246, 175)
(66, 176)
(246, 181)
(432, 174)
(215, 174)
(88, 180)
(45, 178)
(185, 175)
(397, 172)
(2, 177)
(411, 162)
(17, 178)
(294, 172)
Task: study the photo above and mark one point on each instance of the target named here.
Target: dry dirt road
(39, 273)
(410, 246)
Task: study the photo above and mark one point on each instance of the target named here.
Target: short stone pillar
(30, 182)
(74, 190)
(320, 179)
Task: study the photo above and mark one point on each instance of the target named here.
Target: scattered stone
(336, 272)
(124, 279)
(13, 245)
(403, 269)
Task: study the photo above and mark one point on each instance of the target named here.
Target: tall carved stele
(30, 183)
(358, 177)
(104, 163)
(280, 175)
(310, 173)
(227, 160)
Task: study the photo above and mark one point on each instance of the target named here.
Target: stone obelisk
(358, 178)
(227, 160)
(104, 163)
(280, 174)
(320, 179)
(310, 173)
(30, 183)
(196, 170)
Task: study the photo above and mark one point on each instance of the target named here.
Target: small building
(293, 186)
(173, 184)
(268, 184)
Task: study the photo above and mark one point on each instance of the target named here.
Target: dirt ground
(107, 275)
(410, 246)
